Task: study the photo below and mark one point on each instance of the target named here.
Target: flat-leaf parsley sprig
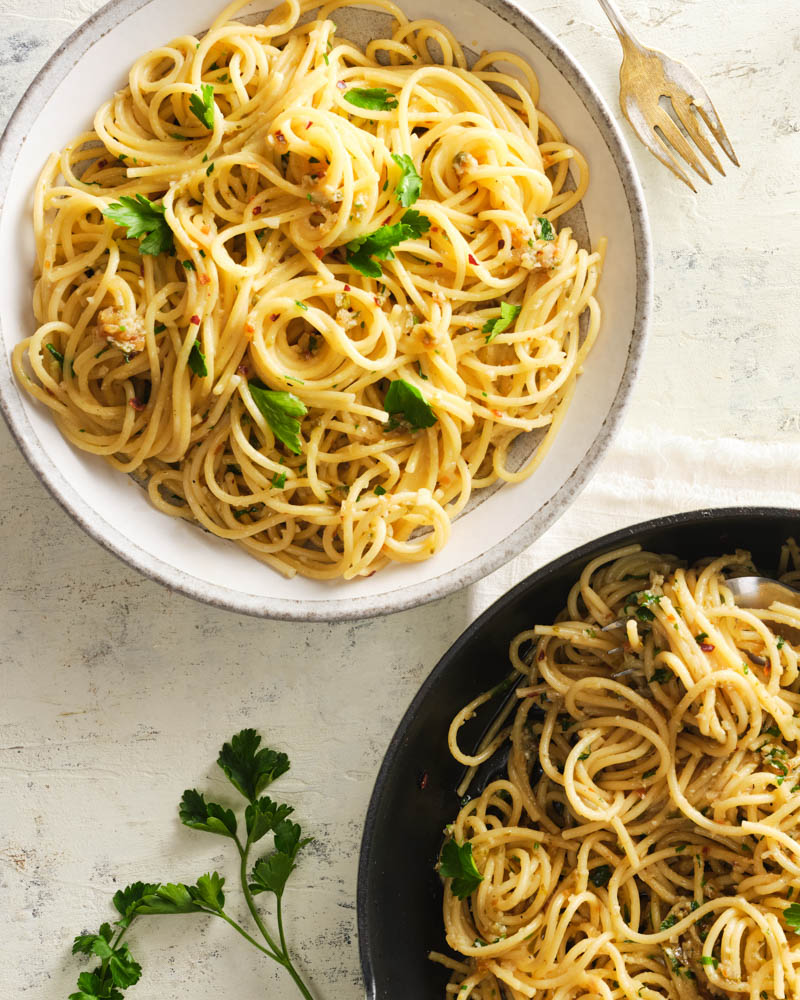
(251, 769)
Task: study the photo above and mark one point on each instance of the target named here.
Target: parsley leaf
(508, 313)
(249, 769)
(127, 900)
(410, 184)
(600, 875)
(202, 105)
(668, 922)
(94, 944)
(406, 399)
(457, 863)
(372, 98)
(169, 899)
(661, 675)
(118, 969)
(280, 410)
(208, 891)
(264, 815)
(198, 814)
(197, 360)
(93, 987)
(361, 250)
(792, 916)
(143, 218)
(278, 481)
(271, 872)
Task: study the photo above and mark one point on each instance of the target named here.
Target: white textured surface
(114, 694)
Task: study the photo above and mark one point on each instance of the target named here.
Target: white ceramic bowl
(113, 510)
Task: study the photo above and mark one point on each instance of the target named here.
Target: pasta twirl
(644, 842)
(265, 231)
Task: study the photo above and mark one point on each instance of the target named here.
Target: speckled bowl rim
(343, 608)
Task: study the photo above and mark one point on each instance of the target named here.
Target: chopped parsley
(661, 675)
(792, 916)
(278, 481)
(508, 313)
(56, 354)
(202, 105)
(379, 491)
(456, 863)
(197, 360)
(599, 876)
(371, 98)
(409, 186)
(280, 410)
(143, 218)
(364, 252)
(407, 402)
(546, 231)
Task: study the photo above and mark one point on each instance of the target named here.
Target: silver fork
(647, 75)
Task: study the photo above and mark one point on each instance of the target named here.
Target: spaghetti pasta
(643, 844)
(266, 232)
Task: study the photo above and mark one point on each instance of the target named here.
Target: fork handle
(618, 22)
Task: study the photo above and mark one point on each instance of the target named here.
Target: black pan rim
(583, 552)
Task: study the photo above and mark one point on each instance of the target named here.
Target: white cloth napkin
(647, 474)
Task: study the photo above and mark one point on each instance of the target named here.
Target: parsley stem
(289, 967)
(296, 976)
(251, 905)
(247, 937)
(280, 955)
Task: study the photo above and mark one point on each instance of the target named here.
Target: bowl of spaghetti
(335, 308)
(571, 809)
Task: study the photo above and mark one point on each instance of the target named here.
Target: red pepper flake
(319, 252)
(243, 370)
(707, 647)
(501, 244)
(195, 319)
(101, 164)
(347, 288)
(472, 259)
(423, 781)
(377, 300)
(275, 316)
(257, 210)
(204, 279)
(341, 85)
(541, 655)
(499, 415)
(308, 126)
(136, 404)
(249, 328)
(439, 263)
(434, 229)
(280, 137)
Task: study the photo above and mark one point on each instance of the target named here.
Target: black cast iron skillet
(399, 894)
